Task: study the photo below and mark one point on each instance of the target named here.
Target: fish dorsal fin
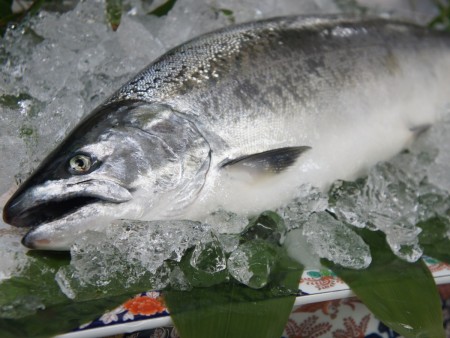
(269, 162)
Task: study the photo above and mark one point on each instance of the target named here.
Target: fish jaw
(56, 199)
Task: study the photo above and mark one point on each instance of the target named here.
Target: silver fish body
(239, 119)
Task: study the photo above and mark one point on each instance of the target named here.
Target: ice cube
(226, 222)
(345, 202)
(300, 250)
(252, 262)
(386, 201)
(410, 251)
(309, 200)
(333, 240)
(390, 195)
(178, 280)
(229, 242)
(438, 138)
(208, 255)
(136, 249)
(268, 226)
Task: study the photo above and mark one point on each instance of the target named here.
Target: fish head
(130, 160)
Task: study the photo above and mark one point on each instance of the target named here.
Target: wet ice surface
(58, 67)
(395, 196)
(133, 249)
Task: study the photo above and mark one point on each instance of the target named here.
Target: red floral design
(145, 305)
(325, 282)
(352, 330)
(351, 301)
(330, 308)
(439, 267)
(307, 329)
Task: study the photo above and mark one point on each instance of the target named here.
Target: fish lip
(30, 244)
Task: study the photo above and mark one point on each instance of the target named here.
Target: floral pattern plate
(325, 307)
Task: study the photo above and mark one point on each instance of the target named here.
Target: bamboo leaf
(402, 295)
(34, 288)
(163, 9)
(229, 310)
(434, 239)
(58, 319)
(7, 16)
(33, 298)
(234, 310)
(442, 20)
(114, 13)
(5, 8)
(226, 13)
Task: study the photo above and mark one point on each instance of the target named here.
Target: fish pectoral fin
(266, 163)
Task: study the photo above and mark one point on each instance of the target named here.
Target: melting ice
(58, 66)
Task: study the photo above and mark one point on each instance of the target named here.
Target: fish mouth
(47, 212)
(55, 200)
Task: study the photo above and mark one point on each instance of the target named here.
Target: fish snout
(15, 213)
(55, 199)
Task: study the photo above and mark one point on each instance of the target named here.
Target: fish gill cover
(57, 66)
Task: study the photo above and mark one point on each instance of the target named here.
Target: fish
(239, 119)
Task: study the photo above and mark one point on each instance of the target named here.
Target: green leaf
(5, 8)
(227, 13)
(402, 295)
(114, 13)
(58, 319)
(163, 9)
(252, 263)
(228, 310)
(199, 278)
(235, 310)
(434, 239)
(9, 17)
(34, 288)
(442, 20)
(33, 298)
(14, 101)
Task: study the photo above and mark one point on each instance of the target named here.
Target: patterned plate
(325, 307)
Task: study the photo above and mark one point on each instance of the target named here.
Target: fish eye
(80, 164)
